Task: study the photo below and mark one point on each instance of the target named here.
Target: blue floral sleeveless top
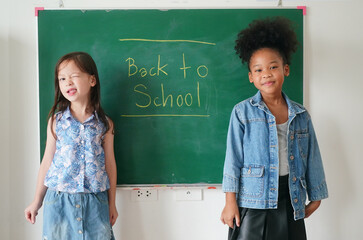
(78, 165)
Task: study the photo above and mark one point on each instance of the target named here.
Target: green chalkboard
(169, 80)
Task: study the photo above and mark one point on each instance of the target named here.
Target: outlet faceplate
(189, 195)
(144, 195)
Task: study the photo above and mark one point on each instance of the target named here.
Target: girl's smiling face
(267, 71)
(74, 84)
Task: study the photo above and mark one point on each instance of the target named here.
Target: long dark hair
(86, 64)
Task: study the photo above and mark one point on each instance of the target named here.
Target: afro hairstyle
(275, 33)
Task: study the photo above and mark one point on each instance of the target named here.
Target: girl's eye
(61, 79)
(258, 70)
(75, 76)
(274, 67)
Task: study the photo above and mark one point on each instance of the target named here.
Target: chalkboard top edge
(176, 8)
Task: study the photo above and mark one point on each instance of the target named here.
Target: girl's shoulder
(296, 106)
(246, 110)
(298, 109)
(63, 114)
(60, 120)
(58, 115)
(248, 104)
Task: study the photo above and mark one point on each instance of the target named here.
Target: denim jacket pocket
(303, 143)
(252, 181)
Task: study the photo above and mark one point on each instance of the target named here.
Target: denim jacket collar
(294, 108)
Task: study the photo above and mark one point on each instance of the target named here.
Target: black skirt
(270, 224)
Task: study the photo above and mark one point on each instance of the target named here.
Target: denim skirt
(79, 216)
(270, 224)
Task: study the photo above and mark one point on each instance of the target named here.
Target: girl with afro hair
(273, 162)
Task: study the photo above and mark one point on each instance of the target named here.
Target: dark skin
(267, 72)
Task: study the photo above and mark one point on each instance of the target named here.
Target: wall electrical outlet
(144, 195)
(189, 194)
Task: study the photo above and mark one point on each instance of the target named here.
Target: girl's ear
(93, 81)
(250, 77)
(286, 70)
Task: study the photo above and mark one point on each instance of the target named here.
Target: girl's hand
(113, 214)
(311, 207)
(32, 211)
(229, 213)
(231, 210)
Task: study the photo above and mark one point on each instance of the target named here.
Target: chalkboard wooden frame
(145, 59)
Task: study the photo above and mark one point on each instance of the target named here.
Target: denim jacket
(251, 167)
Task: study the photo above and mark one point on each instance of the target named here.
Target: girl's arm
(311, 208)
(111, 172)
(230, 210)
(315, 176)
(232, 169)
(32, 210)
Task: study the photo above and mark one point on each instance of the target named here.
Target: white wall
(4, 122)
(333, 51)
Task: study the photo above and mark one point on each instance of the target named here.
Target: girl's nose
(267, 74)
(69, 81)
